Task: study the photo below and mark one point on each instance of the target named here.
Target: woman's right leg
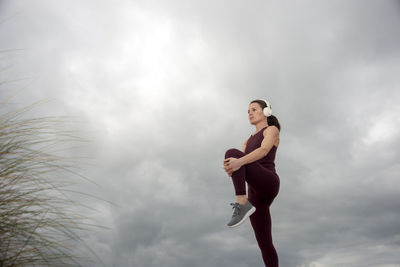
(263, 187)
(262, 191)
(261, 223)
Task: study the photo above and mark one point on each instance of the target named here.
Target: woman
(255, 165)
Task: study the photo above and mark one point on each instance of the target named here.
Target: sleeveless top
(254, 142)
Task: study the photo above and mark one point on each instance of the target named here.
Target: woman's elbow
(264, 151)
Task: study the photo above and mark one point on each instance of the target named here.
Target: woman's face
(256, 113)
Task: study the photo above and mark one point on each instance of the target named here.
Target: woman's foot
(240, 213)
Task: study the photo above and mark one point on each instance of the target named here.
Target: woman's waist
(267, 164)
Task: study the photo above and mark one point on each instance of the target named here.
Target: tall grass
(39, 225)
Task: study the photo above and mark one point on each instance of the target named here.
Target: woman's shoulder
(272, 132)
(272, 129)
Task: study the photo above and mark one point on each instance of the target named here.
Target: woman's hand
(231, 165)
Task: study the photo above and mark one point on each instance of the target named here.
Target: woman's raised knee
(233, 153)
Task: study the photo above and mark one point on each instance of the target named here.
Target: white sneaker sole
(247, 215)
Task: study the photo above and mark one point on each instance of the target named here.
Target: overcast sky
(161, 88)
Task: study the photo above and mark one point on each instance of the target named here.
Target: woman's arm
(271, 134)
(244, 146)
(226, 161)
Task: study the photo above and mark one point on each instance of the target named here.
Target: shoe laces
(236, 207)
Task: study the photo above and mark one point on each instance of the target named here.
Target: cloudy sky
(161, 88)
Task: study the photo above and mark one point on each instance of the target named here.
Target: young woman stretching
(255, 165)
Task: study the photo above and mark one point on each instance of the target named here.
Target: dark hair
(272, 120)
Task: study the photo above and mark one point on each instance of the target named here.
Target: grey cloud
(162, 89)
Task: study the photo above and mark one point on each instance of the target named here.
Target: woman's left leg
(264, 181)
(242, 208)
(238, 177)
(264, 186)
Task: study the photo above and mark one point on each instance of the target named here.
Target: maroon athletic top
(254, 142)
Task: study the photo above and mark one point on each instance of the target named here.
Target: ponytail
(272, 120)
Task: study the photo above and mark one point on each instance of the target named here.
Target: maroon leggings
(263, 186)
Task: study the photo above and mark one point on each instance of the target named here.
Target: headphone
(268, 109)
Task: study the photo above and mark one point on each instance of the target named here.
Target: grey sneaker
(240, 213)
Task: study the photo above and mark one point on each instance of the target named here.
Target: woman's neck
(260, 125)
